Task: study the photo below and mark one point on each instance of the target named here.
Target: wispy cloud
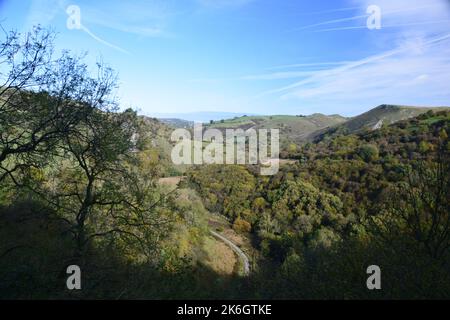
(414, 70)
(332, 10)
(321, 77)
(394, 12)
(44, 12)
(386, 26)
(142, 18)
(359, 17)
(223, 3)
(394, 76)
(278, 75)
(102, 41)
(308, 65)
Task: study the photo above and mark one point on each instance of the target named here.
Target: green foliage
(241, 226)
(368, 152)
(79, 179)
(374, 197)
(226, 189)
(294, 130)
(79, 184)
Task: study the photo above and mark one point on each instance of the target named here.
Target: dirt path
(236, 249)
(173, 183)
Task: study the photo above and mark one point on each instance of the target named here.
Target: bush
(368, 152)
(241, 226)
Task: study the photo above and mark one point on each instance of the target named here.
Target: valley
(94, 203)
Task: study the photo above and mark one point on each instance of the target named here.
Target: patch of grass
(218, 256)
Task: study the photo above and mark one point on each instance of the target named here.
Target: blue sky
(257, 56)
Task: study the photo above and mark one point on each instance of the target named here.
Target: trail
(236, 249)
(174, 181)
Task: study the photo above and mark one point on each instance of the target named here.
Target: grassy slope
(292, 128)
(386, 113)
(177, 123)
(381, 115)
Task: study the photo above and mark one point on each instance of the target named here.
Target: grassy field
(222, 226)
(293, 129)
(388, 114)
(218, 256)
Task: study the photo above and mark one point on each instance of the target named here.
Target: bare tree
(42, 99)
(55, 116)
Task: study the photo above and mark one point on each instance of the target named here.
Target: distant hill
(201, 116)
(385, 114)
(293, 129)
(373, 119)
(177, 123)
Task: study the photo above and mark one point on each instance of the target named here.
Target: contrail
(330, 22)
(352, 65)
(385, 26)
(101, 40)
(312, 64)
(331, 10)
(74, 22)
(358, 17)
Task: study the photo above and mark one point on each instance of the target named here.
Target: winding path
(174, 181)
(236, 249)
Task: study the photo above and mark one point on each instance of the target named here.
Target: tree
(98, 189)
(227, 189)
(259, 204)
(368, 152)
(241, 226)
(42, 99)
(62, 131)
(419, 207)
(300, 206)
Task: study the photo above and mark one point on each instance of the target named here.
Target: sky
(256, 56)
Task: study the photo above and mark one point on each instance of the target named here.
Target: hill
(293, 129)
(200, 116)
(374, 119)
(177, 123)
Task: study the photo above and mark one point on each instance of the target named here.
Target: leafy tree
(42, 99)
(100, 191)
(227, 189)
(241, 226)
(368, 152)
(302, 206)
(419, 207)
(61, 129)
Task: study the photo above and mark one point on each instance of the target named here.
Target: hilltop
(199, 116)
(385, 114)
(293, 129)
(177, 123)
(297, 130)
(373, 119)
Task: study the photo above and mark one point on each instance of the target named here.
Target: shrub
(241, 226)
(368, 152)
